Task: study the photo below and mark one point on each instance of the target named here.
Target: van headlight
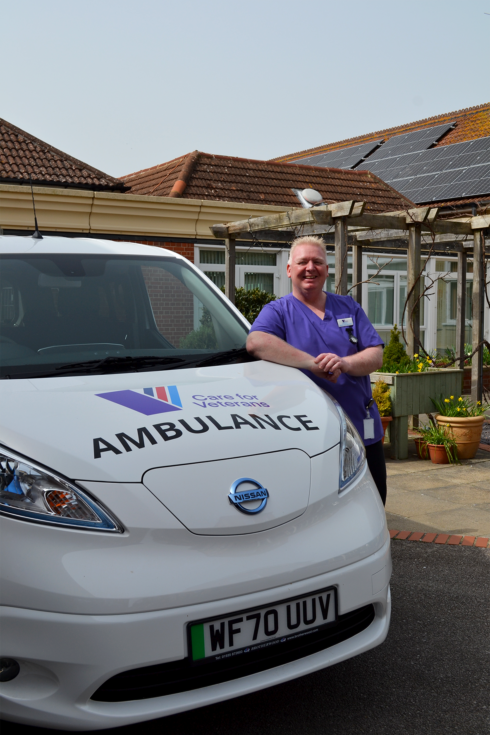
(352, 450)
(32, 493)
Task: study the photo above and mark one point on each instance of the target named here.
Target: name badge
(347, 322)
(368, 428)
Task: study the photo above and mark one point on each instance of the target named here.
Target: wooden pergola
(414, 230)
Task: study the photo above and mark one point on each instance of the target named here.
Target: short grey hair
(307, 240)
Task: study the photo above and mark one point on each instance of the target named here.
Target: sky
(125, 85)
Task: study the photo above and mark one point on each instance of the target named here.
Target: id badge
(368, 428)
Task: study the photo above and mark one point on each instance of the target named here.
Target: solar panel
(418, 140)
(438, 174)
(341, 158)
(421, 173)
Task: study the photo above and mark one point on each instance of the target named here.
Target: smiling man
(330, 339)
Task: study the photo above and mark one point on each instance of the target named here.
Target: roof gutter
(185, 174)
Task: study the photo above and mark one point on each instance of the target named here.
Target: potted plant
(464, 421)
(381, 394)
(441, 445)
(421, 447)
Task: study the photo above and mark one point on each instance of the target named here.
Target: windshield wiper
(227, 357)
(116, 364)
(119, 364)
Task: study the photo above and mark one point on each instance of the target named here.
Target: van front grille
(182, 676)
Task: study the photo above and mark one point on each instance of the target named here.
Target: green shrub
(202, 338)
(250, 303)
(394, 355)
(381, 394)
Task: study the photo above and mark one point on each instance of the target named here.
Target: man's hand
(361, 363)
(330, 365)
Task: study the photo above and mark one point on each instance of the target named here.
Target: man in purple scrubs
(330, 339)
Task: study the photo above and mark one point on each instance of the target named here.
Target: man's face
(308, 269)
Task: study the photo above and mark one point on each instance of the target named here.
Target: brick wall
(467, 380)
(186, 249)
(172, 304)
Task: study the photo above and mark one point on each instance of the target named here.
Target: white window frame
(280, 279)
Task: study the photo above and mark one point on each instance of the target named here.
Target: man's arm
(267, 346)
(327, 365)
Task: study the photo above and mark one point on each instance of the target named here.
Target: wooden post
(461, 309)
(477, 332)
(356, 292)
(341, 256)
(230, 262)
(412, 312)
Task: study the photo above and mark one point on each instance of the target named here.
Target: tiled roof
(471, 123)
(224, 178)
(22, 154)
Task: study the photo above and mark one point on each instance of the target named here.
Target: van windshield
(78, 315)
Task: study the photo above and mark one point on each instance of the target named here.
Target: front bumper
(65, 658)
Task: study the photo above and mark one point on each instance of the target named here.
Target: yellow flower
(446, 400)
(452, 397)
(458, 409)
(478, 403)
(460, 399)
(415, 355)
(397, 372)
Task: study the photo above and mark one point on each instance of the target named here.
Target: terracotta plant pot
(421, 447)
(385, 420)
(465, 431)
(438, 453)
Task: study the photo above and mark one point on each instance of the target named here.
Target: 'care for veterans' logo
(148, 401)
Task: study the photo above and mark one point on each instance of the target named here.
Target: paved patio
(453, 499)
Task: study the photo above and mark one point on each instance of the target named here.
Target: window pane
(216, 257)
(254, 258)
(217, 277)
(447, 313)
(264, 281)
(330, 282)
(402, 299)
(396, 264)
(380, 300)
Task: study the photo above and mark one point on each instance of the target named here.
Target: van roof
(13, 244)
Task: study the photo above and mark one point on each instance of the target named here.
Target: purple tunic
(292, 321)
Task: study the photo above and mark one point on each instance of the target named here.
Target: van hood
(114, 428)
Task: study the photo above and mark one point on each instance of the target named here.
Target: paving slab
(452, 499)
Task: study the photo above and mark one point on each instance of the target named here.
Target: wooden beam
(481, 222)
(341, 256)
(461, 308)
(477, 331)
(280, 220)
(449, 227)
(358, 209)
(418, 215)
(355, 217)
(272, 236)
(356, 292)
(341, 209)
(414, 266)
(321, 215)
(230, 262)
(393, 221)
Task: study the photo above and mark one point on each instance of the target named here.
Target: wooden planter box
(411, 394)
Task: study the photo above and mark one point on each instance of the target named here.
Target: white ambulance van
(180, 523)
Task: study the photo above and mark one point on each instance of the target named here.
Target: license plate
(220, 639)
